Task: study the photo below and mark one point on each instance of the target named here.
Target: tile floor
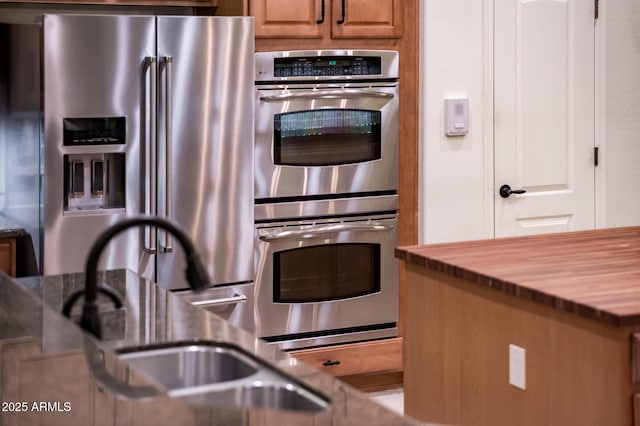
(392, 398)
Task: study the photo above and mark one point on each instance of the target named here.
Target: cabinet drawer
(358, 358)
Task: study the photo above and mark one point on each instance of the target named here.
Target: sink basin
(278, 396)
(222, 374)
(189, 366)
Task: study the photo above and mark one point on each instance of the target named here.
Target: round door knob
(505, 191)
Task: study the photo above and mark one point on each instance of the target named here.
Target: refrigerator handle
(151, 242)
(168, 246)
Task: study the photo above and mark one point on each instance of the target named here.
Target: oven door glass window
(326, 272)
(327, 137)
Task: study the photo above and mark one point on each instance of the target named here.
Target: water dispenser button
(77, 178)
(97, 177)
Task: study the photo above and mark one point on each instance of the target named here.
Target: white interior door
(544, 116)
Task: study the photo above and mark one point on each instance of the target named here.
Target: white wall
(456, 172)
(620, 113)
(456, 190)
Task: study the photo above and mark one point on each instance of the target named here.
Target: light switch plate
(456, 116)
(517, 367)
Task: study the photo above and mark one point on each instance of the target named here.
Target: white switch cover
(456, 116)
(517, 370)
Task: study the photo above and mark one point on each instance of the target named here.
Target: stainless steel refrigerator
(107, 116)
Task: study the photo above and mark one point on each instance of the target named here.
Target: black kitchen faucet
(196, 273)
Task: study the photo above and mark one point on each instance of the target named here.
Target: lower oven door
(327, 281)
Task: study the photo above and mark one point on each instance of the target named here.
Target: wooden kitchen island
(570, 300)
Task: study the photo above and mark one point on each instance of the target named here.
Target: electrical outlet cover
(517, 367)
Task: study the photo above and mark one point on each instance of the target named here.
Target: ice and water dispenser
(94, 167)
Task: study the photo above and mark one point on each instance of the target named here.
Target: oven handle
(236, 298)
(312, 231)
(327, 94)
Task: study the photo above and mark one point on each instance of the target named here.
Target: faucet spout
(196, 273)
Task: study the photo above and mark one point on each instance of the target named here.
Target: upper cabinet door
(289, 18)
(365, 18)
(338, 19)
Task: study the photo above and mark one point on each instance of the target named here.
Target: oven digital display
(332, 63)
(327, 66)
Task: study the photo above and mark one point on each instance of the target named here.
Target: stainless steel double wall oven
(326, 178)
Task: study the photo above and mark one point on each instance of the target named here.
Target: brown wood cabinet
(457, 359)
(8, 256)
(330, 19)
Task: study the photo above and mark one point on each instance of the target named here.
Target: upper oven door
(326, 275)
(326, 140)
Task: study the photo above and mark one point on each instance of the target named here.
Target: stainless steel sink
(191, 366)
(278, 396)
(222, 374)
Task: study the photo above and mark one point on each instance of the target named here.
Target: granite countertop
(31, 325)
(593, 273)
(10, 229)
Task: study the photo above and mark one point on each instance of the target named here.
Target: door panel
(209, 175)
(544, 115)
(93, 68)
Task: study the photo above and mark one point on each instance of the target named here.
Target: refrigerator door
(205, 149)
(96, 102)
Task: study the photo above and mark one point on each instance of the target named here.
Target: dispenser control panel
(93, 131)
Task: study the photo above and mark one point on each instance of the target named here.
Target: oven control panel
(327, 66)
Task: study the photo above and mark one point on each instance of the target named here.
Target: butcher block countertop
(595, 274)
